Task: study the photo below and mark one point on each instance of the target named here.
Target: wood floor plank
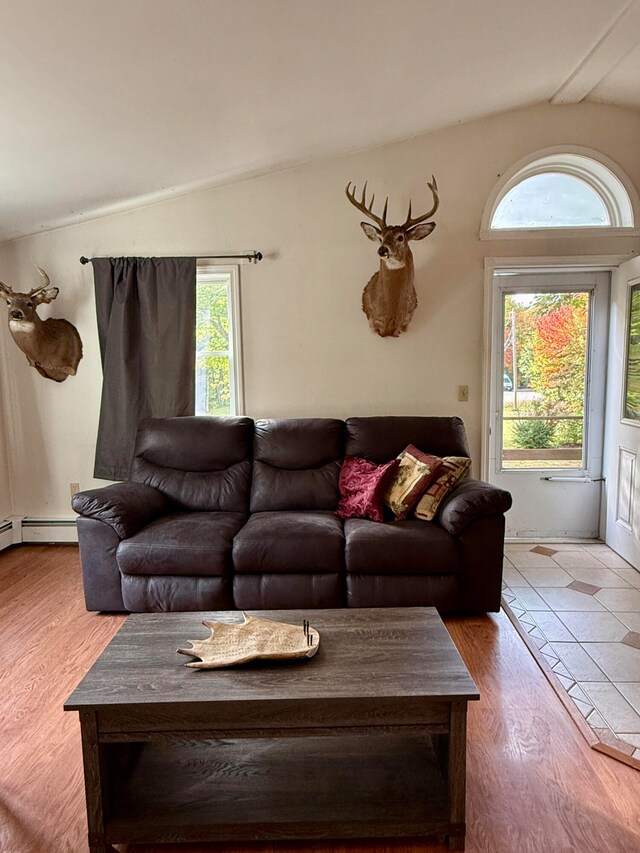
(533, 784)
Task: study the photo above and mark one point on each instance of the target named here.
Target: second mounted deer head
(389, 299)
(52, 346)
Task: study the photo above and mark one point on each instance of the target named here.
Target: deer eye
(400, 238)
(29, 304)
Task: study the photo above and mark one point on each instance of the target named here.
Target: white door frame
(622, 445)
(577, 263)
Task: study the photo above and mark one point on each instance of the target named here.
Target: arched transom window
(558, 191)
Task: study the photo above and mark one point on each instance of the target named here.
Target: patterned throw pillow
(453, 469)
(415, 472)
(362, 484)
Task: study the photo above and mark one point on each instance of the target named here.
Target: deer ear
(372, 232)
(47, 295)
(419, 232)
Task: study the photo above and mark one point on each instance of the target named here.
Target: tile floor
(580, 605)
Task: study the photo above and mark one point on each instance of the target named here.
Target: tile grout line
(615, 597)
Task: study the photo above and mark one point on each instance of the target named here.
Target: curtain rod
(253, 257)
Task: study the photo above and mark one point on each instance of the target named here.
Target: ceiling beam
(617, 42)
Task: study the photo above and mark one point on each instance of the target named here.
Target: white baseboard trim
(570, 540)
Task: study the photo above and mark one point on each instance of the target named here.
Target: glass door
(549, 357)
(623, 415)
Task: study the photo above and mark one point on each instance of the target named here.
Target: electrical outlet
(73, 488)
(463, 393)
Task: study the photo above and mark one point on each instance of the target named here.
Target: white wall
(6, 503)
(5, 483)
(308, 349)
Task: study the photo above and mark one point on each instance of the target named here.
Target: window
(551, 200)
(545, 361)
(218, 352)
(560, 193)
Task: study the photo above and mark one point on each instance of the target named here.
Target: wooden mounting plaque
(233, 643)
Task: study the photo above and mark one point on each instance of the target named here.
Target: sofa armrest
(126, 507)
(472, 500)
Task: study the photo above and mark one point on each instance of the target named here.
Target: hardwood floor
(533, 784)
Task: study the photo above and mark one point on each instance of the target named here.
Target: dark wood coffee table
(366, 739)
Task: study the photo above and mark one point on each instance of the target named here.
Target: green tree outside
(213, 377)
(632, 396)
(551, 344)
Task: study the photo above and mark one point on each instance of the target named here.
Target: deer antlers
(382, 222)
(362, 205)
(433, 186)
(47, 281)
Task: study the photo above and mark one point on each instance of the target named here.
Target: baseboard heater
(6, 534)
(49, 530)
(15, 530)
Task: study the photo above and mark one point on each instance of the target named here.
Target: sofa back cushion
(297, 464)
(201, 463)
(383, 438)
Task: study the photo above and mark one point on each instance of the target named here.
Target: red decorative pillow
(362, 484)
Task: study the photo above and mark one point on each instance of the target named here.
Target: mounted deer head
(52, 346)
(389, 299)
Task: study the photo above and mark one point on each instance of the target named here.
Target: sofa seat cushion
(310, 541)
(407, 547)
(183, 543)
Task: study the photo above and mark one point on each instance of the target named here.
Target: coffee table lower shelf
(304, 788)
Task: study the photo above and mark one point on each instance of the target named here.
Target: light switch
(463, 393)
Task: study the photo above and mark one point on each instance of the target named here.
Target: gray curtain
(146, 311)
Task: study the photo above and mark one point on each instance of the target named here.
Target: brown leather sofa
(223, 513)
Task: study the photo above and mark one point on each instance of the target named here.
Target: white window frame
(208, 272)
(600, 173)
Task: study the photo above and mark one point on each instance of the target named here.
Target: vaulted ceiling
(109, 104)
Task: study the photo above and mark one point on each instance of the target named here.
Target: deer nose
(16, 314)
(383, 252)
